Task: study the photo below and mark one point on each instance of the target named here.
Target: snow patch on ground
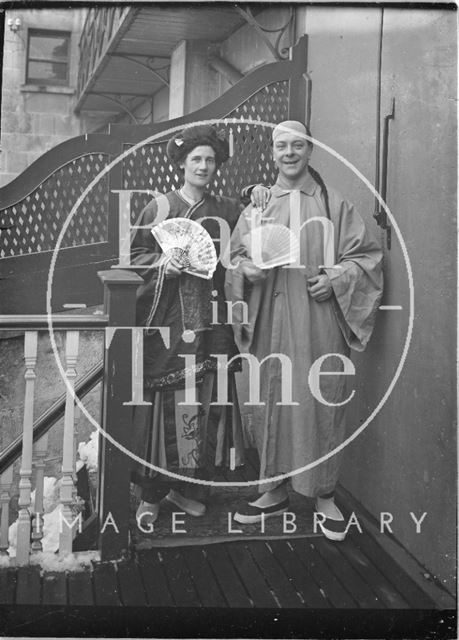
(52, 508)
(80, 561)
(89, 452)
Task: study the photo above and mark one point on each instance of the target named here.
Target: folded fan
(189, 244)
(272, 245)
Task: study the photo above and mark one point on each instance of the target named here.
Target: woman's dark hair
(184, 142)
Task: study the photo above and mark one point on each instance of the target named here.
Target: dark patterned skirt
(189, 440)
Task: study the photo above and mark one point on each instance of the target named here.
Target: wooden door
(405, 461)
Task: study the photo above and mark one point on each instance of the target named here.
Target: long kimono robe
(170, 435)
(285, 319)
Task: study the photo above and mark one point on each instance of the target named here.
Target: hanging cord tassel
(158, 292)
(231, 143)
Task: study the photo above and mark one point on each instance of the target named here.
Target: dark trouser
(327, 496)
(153, 490)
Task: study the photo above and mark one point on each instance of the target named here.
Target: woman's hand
(173, 268)
(319, 287)
(260, 196)
(252, 272)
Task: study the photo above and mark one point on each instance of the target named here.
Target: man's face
(291, 154)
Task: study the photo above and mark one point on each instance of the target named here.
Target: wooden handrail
(56, 411)
(60, 321)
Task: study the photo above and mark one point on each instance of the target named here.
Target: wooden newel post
(114, 465)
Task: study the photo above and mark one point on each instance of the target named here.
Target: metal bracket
(121, 104)
(279, 54)
(146, 65)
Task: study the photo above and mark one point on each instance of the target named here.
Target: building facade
(125, 64)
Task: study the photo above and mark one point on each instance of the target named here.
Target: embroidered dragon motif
(192, 431)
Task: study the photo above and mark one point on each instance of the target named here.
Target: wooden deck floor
(294, 583)
(296, 573)
(297, 588)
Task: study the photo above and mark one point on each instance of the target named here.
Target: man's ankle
(270, 498)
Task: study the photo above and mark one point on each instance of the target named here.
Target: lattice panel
(38, 219)
(149, 168)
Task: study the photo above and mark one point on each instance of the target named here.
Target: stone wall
(35, 119)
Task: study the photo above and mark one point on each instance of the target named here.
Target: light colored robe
(284, 318)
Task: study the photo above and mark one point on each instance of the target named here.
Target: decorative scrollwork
(116, 99)
(165, 67)
(147, 62)
(278, 53)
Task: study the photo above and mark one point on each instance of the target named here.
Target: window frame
(46, 33)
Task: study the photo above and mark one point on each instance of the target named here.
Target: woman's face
(199, 166)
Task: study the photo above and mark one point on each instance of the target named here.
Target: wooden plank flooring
(253, 580)
(272, 571)
(154, 578)
(80, 589)
(180, 581)
(298, 573)
(207, 586)
(228, 578)
(301, 573)
(8, 581)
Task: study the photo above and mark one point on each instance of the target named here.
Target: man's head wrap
(201, 135)
(289, 126)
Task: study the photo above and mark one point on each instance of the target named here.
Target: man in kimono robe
(323, 303)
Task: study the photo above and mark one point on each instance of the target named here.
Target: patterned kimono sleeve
(145, 256)
(145, 251)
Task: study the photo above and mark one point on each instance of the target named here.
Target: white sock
(328, 507)
(270, 498)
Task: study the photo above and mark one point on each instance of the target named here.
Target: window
(48, 57)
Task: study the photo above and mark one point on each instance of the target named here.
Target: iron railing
(101, 27)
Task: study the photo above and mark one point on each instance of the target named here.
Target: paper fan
(272, 245)
(189, 244)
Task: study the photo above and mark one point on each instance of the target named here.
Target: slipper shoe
(251, 514)
(333, 529)
(151, 512)
(191, 507)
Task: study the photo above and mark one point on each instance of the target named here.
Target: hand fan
(272, 245)
(190, 245)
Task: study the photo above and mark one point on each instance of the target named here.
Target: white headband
(289, 126)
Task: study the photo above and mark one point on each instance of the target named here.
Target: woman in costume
(172, 434)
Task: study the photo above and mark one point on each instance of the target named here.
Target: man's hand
(252, 272)
(260, 197)
(319, 287)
